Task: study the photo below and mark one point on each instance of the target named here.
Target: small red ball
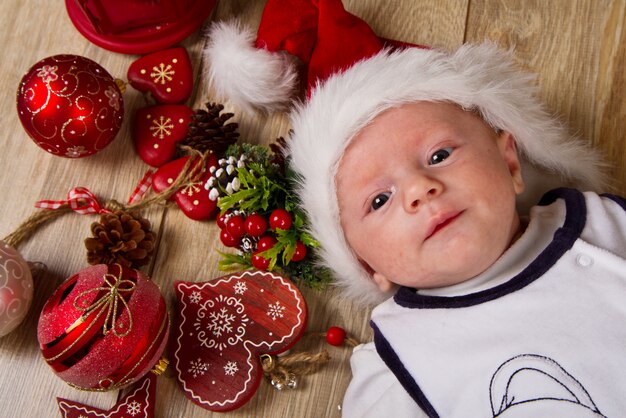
(256, 225)
(235, 226)
(260, 262)
(280, 219)
(221, 220)
(228, 240)
(70, 106)
(335, 336)
(265, 243)
(300, 252)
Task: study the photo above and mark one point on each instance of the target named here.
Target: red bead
(255, 225)
(280, 219)
(265, 243)
(260, 262)
(221, 220)
(300, 252)
(335, 336)
(228, 240)
(235, 226)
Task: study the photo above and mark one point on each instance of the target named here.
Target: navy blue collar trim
(392, 361)
(564, 238)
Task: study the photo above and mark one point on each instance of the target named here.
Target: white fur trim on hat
(251, 78)
(477, 77)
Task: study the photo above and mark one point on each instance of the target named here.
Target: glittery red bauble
(103, 328)
(70, 106)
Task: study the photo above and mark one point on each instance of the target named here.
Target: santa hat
(353, 76)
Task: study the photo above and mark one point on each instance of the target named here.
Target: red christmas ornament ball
(70, 106)
(103, 328)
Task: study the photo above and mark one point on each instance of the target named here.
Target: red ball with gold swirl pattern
(70, 106)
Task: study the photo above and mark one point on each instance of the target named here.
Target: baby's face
(427, 193)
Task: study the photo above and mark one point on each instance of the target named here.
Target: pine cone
(208, 131)
(279, 149)
(121, 237)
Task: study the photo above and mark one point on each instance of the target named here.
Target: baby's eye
(440, 155)
(380, 200)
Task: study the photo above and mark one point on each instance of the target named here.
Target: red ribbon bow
(80, 199)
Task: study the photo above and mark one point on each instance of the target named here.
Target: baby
(435, 184)
(412, 182)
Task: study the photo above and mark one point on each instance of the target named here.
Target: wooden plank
(575, 48)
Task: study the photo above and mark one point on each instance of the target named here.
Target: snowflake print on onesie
(224, 326)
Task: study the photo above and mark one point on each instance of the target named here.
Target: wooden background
(577, 47)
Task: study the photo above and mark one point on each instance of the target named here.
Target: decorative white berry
(229, 188)
(236, 184)
(230, 169)
(219, 172)
(214, 194)
(212, 169)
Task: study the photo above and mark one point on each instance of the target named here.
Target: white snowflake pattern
(114, 97)
(198, 368)
(231, 368)
(74, 152)
(240, 288)
(162, 127)
(276, 311)
(195, 297)
(221, 322)
(48, 73)
(162, 73)
(133, 408)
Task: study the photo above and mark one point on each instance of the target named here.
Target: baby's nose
(421, 189)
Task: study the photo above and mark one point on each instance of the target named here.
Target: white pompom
(250, 77)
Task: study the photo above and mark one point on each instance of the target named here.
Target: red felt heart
(167, 74)
(192, 199)
(224, 325)
(157, 129)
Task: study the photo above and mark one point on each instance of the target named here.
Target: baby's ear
(508, 150)
(383, 283)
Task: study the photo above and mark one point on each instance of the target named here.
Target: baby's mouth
(441, 222)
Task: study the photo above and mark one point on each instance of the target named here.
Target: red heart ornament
(167, 74)
(224, 325)
(192, 199)
(157, 130)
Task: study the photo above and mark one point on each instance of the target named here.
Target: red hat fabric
(321, 33)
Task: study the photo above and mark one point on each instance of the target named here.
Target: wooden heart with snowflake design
(224, 326)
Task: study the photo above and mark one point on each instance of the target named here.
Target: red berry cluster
(250, 234)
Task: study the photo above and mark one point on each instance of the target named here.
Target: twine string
(192, 172)
(282, 371)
